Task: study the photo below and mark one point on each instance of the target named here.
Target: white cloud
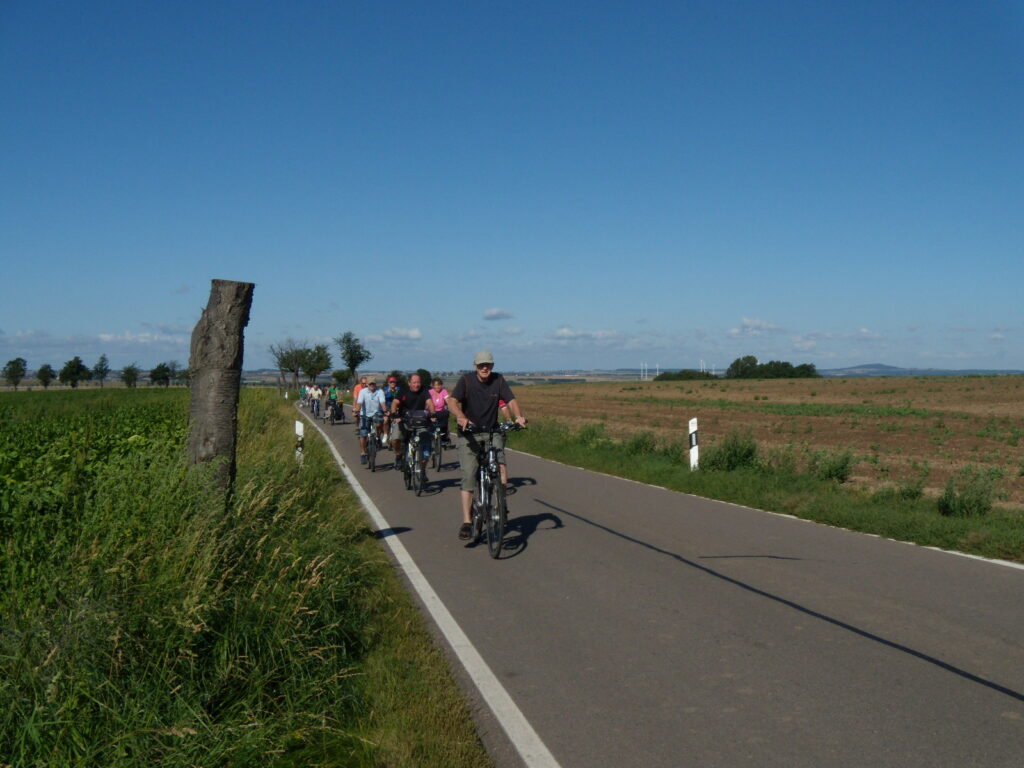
(808, 342)
(171, 330)
(143, 339)
(567, 333)
(751, 327)
(865, 334)
(497, 314)
(403, 334)
(39, 346)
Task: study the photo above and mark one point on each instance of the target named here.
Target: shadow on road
(384, 533)
(747, 557)
(515, 483)
(434, 486)
(802, 609)
(521, 528)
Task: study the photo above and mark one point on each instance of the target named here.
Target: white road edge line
(524, 739)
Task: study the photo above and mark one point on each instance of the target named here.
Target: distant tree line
(294, 358)
(748, 368)
(685, 375)
(75, 371)
(298, 360)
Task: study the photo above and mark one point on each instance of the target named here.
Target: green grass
(142, 623)
(772, 483)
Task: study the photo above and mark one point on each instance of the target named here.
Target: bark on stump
(215, 364)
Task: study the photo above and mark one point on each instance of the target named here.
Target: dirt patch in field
(899, 429)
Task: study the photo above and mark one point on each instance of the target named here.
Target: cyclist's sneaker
(465, 531)
(362, 459)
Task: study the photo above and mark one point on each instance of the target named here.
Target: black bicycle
(336, 412)
(490, 515)
(437, 440)
(416, 431)
(372, 438)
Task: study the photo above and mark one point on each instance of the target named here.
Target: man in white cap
(474, 400)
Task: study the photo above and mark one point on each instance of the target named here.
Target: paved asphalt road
(635, 626)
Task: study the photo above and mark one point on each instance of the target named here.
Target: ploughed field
(898, 429)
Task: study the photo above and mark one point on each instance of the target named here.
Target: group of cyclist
(478, 398)
(321, 400)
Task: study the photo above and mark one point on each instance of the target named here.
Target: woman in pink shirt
(439, 394)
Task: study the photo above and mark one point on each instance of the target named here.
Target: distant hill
(879, 369)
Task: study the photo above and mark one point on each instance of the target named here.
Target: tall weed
(826, 465)
(737, 451)
(142, 623)
(969, 493)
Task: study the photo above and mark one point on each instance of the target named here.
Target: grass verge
(773, 483)
(143, 623)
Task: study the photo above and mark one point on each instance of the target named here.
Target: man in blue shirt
(369, 409)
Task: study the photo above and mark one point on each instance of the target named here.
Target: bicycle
(372, 438)
(490, 515)
(412, 464)
(336, 412)
(437, 441)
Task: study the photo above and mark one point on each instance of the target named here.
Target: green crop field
(144, 622)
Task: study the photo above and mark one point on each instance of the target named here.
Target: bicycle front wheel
(495, 518)
(371, 452)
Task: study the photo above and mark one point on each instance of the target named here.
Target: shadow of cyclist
(521, 527)
(435, 486)
(515, 483)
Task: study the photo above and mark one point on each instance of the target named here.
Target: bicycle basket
(417, 419)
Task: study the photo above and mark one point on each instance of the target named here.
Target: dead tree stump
(215, 365)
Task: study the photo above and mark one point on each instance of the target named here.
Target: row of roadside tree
(294, 358)
(291, 357)
(75, 371)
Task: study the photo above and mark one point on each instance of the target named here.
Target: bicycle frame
(437, 448)
(489, 511)
(372, 438)
(413, 469)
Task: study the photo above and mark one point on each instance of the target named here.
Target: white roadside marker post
(299, 434)
(693, 444)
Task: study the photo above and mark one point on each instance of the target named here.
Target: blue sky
(572, 184)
